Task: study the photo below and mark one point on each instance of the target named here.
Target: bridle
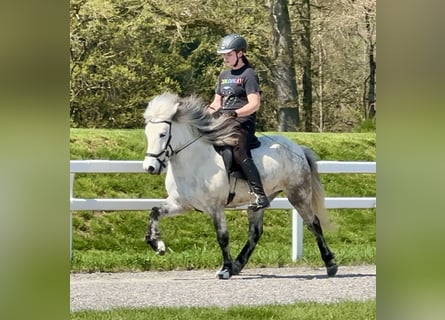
(168, 149)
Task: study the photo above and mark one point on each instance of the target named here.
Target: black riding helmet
(232, 42)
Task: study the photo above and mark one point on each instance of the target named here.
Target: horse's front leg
(222, 235)
(153, 235)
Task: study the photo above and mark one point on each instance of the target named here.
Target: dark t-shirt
(235, 85)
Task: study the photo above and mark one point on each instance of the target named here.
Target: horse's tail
(318, 195)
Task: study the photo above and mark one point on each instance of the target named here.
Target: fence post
(297, 236)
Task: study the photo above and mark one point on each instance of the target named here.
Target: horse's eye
(162, 135)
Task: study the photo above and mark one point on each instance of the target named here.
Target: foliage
(125, 52)
(369, 125)
(114, 241)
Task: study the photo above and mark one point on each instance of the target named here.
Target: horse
(182, 139)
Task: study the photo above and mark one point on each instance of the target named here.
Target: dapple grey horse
(182, 136)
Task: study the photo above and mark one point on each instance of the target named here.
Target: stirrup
(257, 205)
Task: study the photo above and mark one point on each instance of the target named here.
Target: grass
(113, 241)
(301, 311)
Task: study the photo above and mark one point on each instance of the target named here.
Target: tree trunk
(307, 64)
(320, 84)
(286, 119)
(283, 70)
(370, 105)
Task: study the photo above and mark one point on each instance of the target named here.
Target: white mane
(161, 107)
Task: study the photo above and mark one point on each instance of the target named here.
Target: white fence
(115, 166)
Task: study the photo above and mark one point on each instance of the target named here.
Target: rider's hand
(216, 114)
(232, 114)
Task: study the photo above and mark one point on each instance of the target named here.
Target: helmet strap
(237, 60)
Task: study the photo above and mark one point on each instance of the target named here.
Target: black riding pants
(245, 133)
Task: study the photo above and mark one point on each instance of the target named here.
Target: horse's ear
(175, 107)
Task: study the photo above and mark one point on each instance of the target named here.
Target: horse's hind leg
(326, 254)
(255, 232)
(302, 202)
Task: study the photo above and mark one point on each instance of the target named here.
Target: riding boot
(254, 181)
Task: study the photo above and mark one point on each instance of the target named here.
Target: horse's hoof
(223, 274)
(161, 248)
(332, 270)
(236, 269)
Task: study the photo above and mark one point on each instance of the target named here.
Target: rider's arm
(252, 105)
(216, 103)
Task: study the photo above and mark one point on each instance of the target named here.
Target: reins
(186, 145)
(170, 152)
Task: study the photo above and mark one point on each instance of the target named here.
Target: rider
(237, 94)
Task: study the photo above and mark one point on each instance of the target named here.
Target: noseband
(168, 150)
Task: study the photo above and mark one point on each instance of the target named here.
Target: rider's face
(230, 58)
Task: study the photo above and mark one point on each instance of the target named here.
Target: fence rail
(127, 166)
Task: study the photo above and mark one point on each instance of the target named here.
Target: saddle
(232, 168)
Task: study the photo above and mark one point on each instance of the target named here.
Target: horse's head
(158, 119)
(168, 108)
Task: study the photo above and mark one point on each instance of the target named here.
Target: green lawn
(301, 311)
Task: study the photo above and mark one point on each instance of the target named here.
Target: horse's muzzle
(150, 166)
(151, 169)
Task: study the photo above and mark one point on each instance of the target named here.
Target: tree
(340, 65)
(310, 54)
(370, 100)
(305, 17)
(283, 66)
(115, 67)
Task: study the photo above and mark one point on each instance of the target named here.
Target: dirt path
(102, 291)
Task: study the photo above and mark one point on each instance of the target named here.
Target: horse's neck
(182, 135)
(192, 166)
(195, 152)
